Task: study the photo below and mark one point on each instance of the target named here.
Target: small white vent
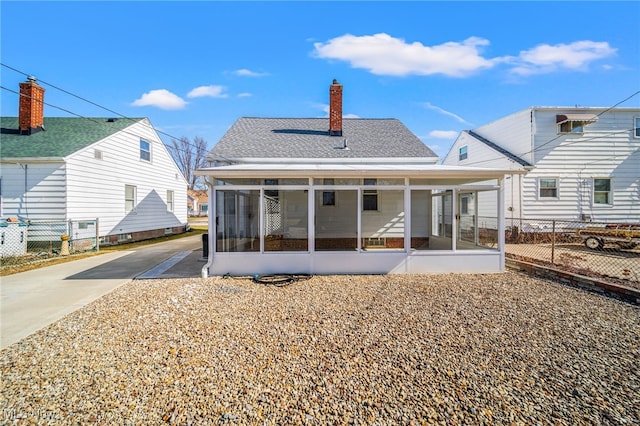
(97, 154)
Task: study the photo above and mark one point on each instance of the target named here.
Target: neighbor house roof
(62, 136)
(259, 138)
(201, 195)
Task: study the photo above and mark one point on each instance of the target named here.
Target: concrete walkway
(34, 299)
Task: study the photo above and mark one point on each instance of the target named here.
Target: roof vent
(111, 120)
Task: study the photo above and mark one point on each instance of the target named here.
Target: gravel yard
(400, 349)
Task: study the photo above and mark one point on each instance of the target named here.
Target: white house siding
(96, 187)
(482, 155)
(606, 149)
(33, 191)
(512, 133)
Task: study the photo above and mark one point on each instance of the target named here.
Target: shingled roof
(62, 136)
(255, 138)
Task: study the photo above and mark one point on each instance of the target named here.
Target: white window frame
(144, 153)
(539, 188)
(636, 127)
(170, 201)
(609, 192)
(130, 200)
(463, 153)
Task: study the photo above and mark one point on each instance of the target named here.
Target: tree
(190, 156)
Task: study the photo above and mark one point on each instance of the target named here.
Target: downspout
(204, 273)
(501, 223)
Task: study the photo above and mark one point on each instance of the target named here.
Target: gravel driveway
(400, 349)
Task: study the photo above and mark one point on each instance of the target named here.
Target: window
(548, 188)
(572, 127)
(145, 150)
(169, 201)
(370, 196)
(636, 127)
(601, 191)
(462, 153)
(464, 204)
(329, 197)
(129, 198)
(272, 194)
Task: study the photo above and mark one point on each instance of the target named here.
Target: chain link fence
(26, 241)
(594, 249)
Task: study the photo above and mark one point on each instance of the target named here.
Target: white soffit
(347, 170)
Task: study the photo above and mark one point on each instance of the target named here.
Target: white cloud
(382, 54)
(547, 58)
(447, 113)
(161, 98)
(207, 91)
(443, 134)
(243, 72)
(244, 95)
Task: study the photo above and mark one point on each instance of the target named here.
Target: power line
(97, 105)
(570, 143)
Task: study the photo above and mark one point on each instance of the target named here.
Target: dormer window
(574, 123)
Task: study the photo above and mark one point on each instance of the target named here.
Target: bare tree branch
(190, 156)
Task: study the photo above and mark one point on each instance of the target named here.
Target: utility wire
(570, 143)
(95, 104)
(133, 120)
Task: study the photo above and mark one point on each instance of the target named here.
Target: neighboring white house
(334, 196)
(197, 202)
(582, 163)
(117, 171)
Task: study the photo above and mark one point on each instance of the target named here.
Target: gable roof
(498, 148)
(62, 136)
(257, 138)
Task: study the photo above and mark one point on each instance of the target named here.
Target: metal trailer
(625, 235)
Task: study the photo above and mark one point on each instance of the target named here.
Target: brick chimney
(31, 111)
(335, 109)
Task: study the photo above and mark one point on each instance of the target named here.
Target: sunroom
(354, 219)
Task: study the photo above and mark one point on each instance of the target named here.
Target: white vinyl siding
(95, 188)
(34, 191)
(607, 148)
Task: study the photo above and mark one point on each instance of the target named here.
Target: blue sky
(194, 68)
